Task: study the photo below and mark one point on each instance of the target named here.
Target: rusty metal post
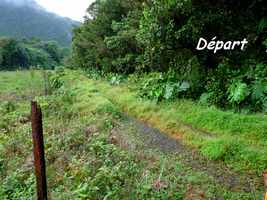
(38, 150)
(265, 182)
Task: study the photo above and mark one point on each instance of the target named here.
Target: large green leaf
(184, 86)
(169, 91)
(238, 92)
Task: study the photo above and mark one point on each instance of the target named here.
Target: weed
(88, 166)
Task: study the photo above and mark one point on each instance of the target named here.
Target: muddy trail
(138, 136)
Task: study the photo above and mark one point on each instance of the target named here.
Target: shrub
(159, 86)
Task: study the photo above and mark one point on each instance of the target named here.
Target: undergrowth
(235, 138)
(82, 161)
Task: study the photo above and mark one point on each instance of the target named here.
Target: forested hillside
(23, 54)
(131, 36)
(26, 19)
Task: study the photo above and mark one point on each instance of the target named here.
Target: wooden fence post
(38, 150)
(265, 182)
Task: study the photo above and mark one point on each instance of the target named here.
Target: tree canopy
(158, 35)
(161, 36)
(25, 53)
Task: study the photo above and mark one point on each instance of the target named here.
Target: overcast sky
(74, 9)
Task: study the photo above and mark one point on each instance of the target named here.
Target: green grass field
(20, 81)
(83, 161)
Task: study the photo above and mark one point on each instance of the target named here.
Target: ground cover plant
(237, 139)
(85, 157)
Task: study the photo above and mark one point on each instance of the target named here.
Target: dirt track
(146, 137)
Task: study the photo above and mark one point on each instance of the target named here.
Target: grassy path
(238, 140)
(140, 138)
(153, 139)
(174, 139)
(233, 173)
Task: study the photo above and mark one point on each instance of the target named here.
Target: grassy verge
(237, 139)
(82, 161)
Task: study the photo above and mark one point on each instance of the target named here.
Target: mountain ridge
(27, 19)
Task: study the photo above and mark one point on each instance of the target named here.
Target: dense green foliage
(24, 54)
(161, 36)
(26, 19)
